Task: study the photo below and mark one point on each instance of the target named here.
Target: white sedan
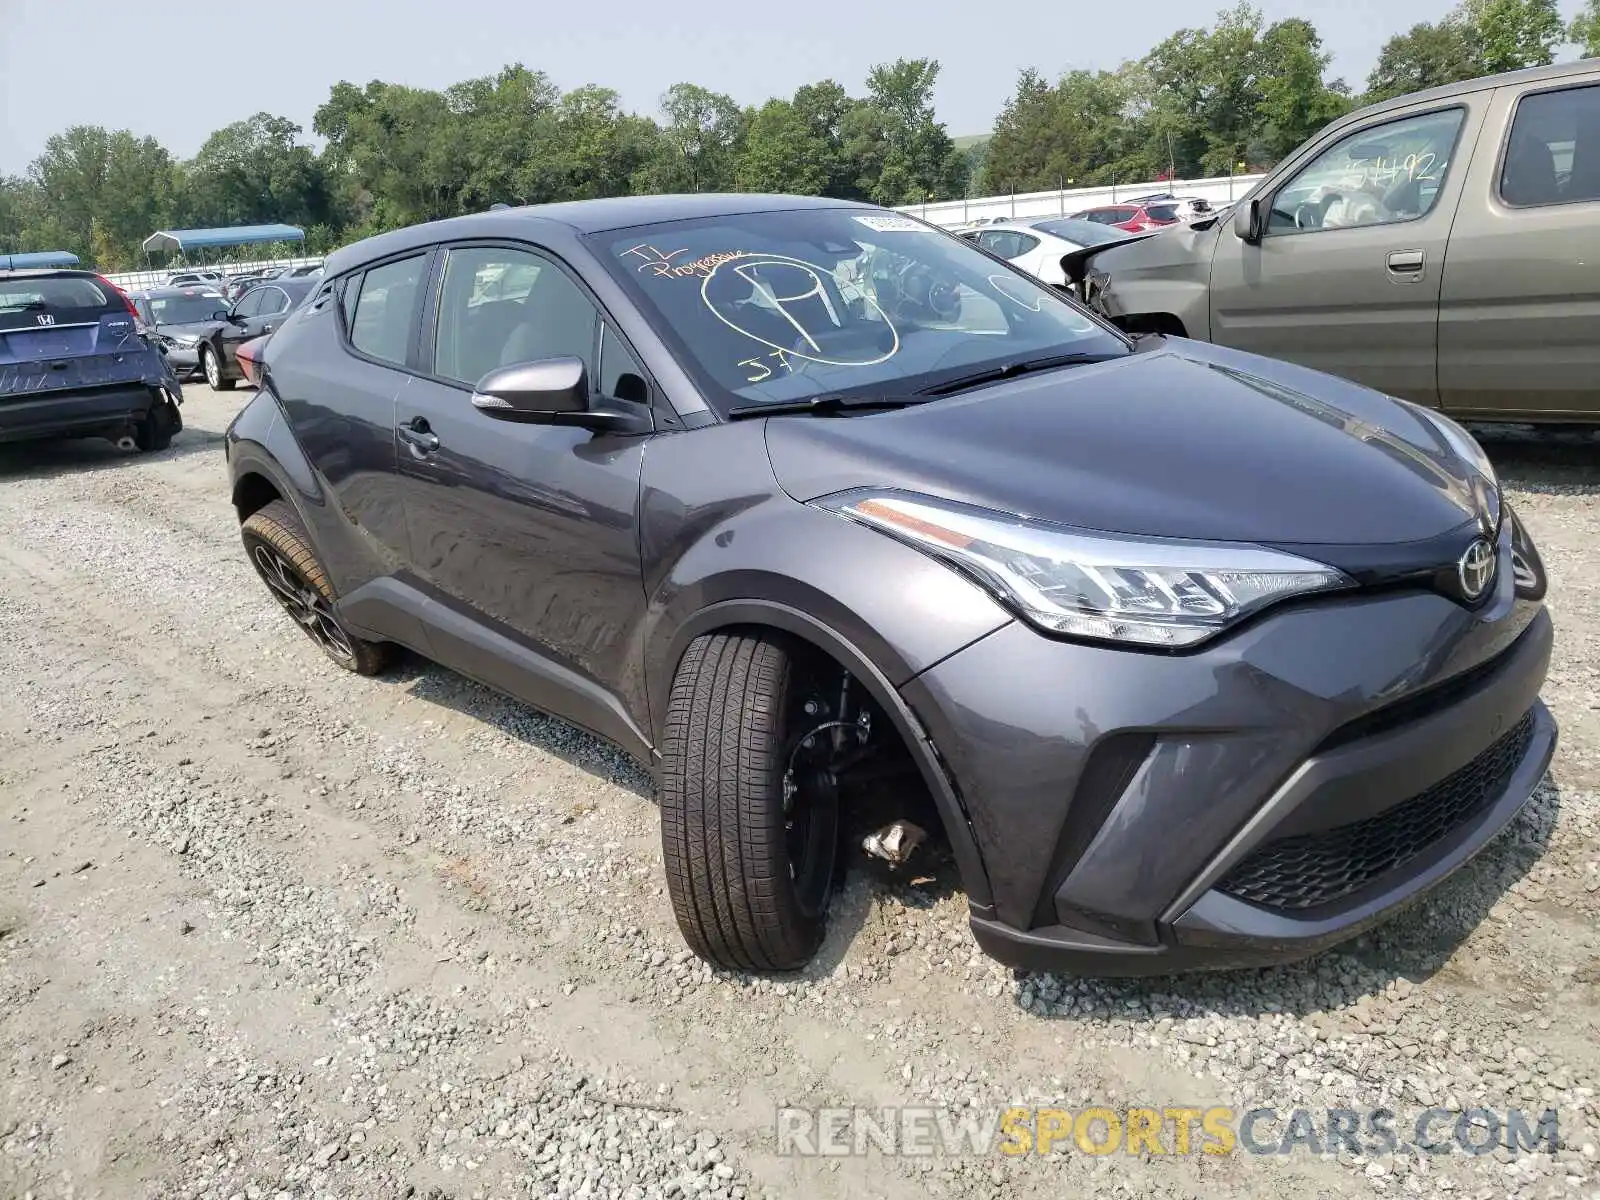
(1037, 244)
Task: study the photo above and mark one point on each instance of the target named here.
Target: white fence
(133, 281)
(1223, 189)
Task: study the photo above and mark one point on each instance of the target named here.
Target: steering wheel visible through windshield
(784, 306)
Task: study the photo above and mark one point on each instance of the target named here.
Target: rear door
(1519, 318)
(341, 367)
(1346, 275)
(64, 331)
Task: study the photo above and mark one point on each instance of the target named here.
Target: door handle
(416, 434)
(1405, 262)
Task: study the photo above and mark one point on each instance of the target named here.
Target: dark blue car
(73, 363)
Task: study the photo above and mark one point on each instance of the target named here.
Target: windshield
(184, 310)
(1085, 233)
(784, 306)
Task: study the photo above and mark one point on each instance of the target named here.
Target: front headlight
(1108, 587)
(187, 340)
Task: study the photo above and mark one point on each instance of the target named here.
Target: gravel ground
(268, 930)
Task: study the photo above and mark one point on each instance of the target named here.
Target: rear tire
(280, 550)
(158, 429)
(740, 896)
(211, 368)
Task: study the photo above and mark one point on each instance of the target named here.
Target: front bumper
(1251, 803)
(184, 360)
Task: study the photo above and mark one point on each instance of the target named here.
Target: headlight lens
(186, 339)
(1107, 587)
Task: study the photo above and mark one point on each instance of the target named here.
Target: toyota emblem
(1476, 568)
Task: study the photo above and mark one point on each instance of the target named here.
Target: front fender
(1165, 275)
(883, 611)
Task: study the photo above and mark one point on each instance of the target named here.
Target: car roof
(579, 216)
(48, 273)
(1467, 87)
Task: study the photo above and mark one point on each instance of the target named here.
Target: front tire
(280, 550)
(749, 868)
(211, 368)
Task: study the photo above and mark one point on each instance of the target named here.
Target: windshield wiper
(1012, 369)
(824, 406)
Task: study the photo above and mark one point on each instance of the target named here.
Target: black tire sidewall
(278, 527)
(723, 824)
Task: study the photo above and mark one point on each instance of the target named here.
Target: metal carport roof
(238, 235)
(39, 258)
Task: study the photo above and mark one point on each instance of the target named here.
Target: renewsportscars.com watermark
(912, 1131)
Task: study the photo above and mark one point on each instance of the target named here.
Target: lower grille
(1312, 869)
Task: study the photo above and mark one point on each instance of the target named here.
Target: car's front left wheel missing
(749, 804)
(280, 550)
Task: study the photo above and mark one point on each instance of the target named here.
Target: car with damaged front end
(1196, 659)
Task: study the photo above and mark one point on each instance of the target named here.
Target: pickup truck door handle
(1405, 262)
(416, 434)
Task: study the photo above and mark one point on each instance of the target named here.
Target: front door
(249, 319)
(526, 533)
(1345, 278)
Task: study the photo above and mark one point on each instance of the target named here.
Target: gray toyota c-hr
(1200, 659)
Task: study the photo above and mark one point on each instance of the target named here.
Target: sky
(177, 69)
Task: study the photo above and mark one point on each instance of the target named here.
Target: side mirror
(552, 391)
(220, 315)
(1247, 222)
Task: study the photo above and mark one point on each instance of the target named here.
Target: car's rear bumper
(70, 412)
(1251, 803)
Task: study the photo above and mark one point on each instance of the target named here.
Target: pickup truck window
(1378, 175)
(1553, 154)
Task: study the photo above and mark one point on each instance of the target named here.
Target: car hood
(1182, 440)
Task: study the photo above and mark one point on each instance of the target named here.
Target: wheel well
(901, 794)
(1163, 323)
(252, 493)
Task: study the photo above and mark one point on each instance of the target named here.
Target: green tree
(1048, 134)
(100, 193)
(255, 172)
(1425, 56)
(918, 160)
(397, 154)
(506, 132)
(1513, 34)
(781, 153)
(700, 141)
(1295, 99)
(1585, 29)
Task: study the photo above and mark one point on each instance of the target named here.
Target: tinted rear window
(47, 294)
(1163, 212)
